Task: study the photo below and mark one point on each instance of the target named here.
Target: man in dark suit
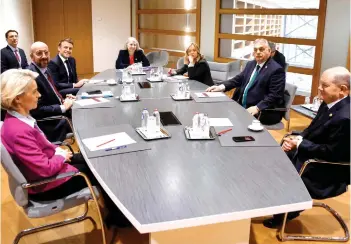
(326, 138)
(63, 69)
(277, 56)
(51, 102)
(259, 86)
(12, 57)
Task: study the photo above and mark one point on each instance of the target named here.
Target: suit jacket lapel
(13, 55)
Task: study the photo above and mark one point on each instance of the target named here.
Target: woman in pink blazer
(34, 155)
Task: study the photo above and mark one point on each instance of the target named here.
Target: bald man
(326, 138)
(51, 103)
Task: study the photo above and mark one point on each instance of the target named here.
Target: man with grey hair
(276, 55)
(260, 86)
(327, 138)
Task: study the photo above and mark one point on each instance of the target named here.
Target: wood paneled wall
(58, 19)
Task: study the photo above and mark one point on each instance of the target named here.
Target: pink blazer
(33, 154)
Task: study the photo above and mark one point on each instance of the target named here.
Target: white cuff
(63, 109)
(191, 65)
(222, 87)
(299, 140)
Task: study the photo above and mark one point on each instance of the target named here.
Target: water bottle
(196, 122)
(187, 90)
(144, 119)
(156, 114)
(206, 125)
(132, 89)
(180, 92)
(307, 100)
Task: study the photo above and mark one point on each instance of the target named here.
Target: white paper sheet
(89, 101)
(119, 139)
(180, 77)
(220, 122)
(209, 94)
(95, 81)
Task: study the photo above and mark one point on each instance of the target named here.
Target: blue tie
(249, 85)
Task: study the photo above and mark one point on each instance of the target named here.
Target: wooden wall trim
(270, 11)
(298, 41)
(319, 47)
(198, 22)
(137, 36)
(166, 11)
(167, 32)
(217, 24)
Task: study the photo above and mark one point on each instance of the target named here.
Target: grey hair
(132, 39)
(341, 76)
(14, 82)
(261, 40)
(272, 46)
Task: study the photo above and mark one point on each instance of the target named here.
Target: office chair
(38, 209)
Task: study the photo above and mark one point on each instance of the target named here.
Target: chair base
(55, 225)
(284, 237)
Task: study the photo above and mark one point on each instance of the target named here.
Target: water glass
(151, 125)
(316, 103)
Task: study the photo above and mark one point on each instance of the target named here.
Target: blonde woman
(196, 66)
(132, 53)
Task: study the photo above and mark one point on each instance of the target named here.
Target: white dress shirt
(65, 64)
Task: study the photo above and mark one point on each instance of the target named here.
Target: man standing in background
(277, 56)
(12, 57)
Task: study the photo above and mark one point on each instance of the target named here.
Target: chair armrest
(50, 179)
(317, 161)
(59, 117)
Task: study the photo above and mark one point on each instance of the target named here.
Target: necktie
(69, 71)
(53, 86)
(249, 85)
(17, 56)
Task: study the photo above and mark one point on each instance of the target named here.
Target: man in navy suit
(51, 102)
(12, 57)
(63, 69)
(326, 138)
(259, 86)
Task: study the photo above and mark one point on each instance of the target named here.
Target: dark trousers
(270, 117)
(55, 130)
(66, 91)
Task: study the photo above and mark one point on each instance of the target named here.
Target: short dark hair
(69, 40)
(7, 33)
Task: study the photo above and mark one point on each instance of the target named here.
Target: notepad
(220, 122)
(180, 77)
(90, 101)
(108, 141)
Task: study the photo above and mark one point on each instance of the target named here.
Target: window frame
(317, 42)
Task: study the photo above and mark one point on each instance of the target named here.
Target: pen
(164, 132)
(95, 99)
(105, 143)
(223, 132)
(114, 148)
(205, 94)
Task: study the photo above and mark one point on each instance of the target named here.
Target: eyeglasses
(40, 53)
(261, 49)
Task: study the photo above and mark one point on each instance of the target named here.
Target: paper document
(209, 94)
(90, 101)
(180, 77)
(310, 107)
(108, 141)
(95, 81)
(220, 122)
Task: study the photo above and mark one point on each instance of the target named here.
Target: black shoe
(277, 220)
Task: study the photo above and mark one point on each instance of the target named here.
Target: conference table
(190, 191)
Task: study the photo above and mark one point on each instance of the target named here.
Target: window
(296, 26)
(168, 25)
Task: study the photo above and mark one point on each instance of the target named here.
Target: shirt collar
(62, 58)
(29, 120)
(42, 70)
(13, 49)
(261, 65)
(330, 105)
